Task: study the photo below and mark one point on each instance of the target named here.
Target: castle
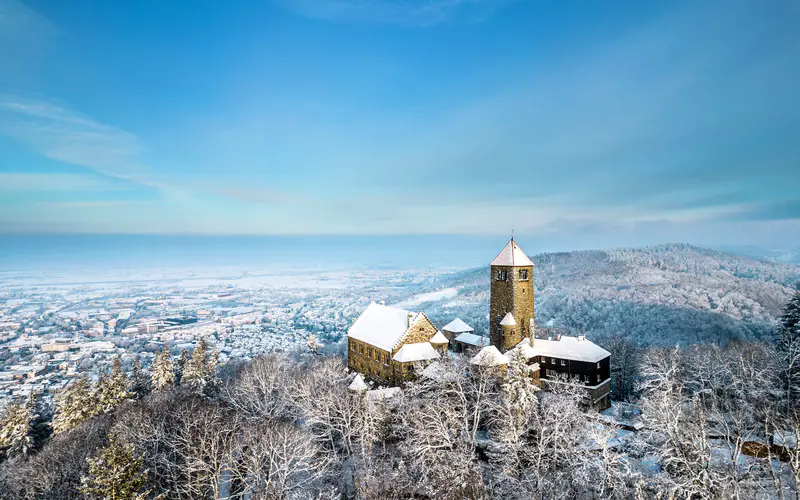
(391, 345)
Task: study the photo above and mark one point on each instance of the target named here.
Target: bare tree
(260, 389)
(278, 459)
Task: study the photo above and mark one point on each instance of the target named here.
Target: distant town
(51, 332)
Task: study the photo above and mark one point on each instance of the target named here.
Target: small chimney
(383, 302)
(581, 338)
(410, 316)
(558, 337)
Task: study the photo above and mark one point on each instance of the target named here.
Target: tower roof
(511, 255)
(508, 320)
(458, 326)
(439, 339)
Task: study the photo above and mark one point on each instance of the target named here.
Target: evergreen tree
(116, 474)
(139, 382)
(201, 369)
(789, 349)
(113, 388)
(180, 366)
(162, 373)
(16, 428)
(74, 405)
(518, 387)
(313, 344)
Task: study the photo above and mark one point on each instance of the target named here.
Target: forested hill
(658, 295)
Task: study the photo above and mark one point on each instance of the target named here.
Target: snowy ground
(422, 298)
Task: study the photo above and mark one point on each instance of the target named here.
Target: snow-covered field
(422, 298)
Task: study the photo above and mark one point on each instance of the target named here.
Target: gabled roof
(489, 356)
(421, 351)
(572, 348)
(458, 326)
(382, 326)
(511, 255)
(508, 320)
(439, 338)
(472, 339)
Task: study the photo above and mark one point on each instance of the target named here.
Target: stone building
(511, 299)
(455, 328)
(387, 344)
(564, 360)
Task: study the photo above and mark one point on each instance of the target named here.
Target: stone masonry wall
(512, 295)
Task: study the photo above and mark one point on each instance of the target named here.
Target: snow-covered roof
(458, 326)
(358, 384)
(472, 339)
(574, 348)
(489, 356)
(382, 326)
(508, 320)
(511, 255)
(421, 351)
(525, 348)
(439, 338)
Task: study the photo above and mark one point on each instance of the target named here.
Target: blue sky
(600, 122)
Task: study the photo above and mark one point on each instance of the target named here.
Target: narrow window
(563, 363)
(598, 365)
(523, 274)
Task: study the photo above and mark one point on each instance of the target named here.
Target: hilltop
(658, 295)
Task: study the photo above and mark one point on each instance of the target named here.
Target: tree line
(717, 422)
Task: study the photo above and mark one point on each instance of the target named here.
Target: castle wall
(368, 360)
(378, 364)
(515, 295)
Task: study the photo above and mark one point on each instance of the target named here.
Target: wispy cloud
(405, 12)
(62, 134)
(92, 204)
(256, 195)
(22, 181)
(23, 32)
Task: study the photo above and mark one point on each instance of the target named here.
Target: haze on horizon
(601, 124)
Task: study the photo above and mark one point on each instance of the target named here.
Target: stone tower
(511, 300)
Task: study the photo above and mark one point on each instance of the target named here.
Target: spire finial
(512, 233)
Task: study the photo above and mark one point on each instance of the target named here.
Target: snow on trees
(16, 428)
(162, 371)
(115, 474)
(199, 373)
(74, 405)
(789, 349)
(112, 388)
(289, 427)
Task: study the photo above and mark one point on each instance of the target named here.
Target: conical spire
(511, 255)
